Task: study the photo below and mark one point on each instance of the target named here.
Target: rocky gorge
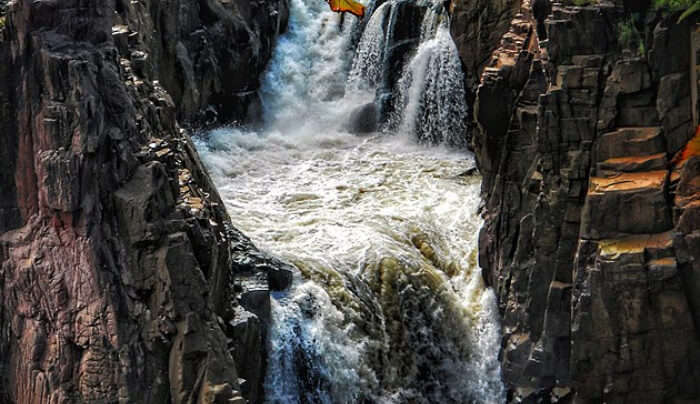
(123, 278)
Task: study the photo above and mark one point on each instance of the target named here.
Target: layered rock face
(116, 251)
(208, 54)
(477, 27)
(591, 205)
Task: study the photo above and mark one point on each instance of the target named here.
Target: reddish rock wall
(116, 251)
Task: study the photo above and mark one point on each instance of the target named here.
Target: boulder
(364, 119)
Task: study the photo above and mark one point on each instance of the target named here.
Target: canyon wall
(477, 27)
(122, 279)
(592, 204)
(116, 251)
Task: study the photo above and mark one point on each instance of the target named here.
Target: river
(388, 304)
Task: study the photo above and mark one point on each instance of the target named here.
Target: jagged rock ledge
(117, 255)
(591, 193)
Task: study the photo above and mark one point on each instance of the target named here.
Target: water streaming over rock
(368, 63)
(431, 100)
(388, 305)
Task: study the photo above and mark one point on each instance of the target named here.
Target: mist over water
(388, 304)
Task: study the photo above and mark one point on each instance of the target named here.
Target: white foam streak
(368, 62)
(301, 327)
(412, 87)
(432, 93)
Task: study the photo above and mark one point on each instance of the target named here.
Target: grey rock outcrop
(117, 255)
(591, 227)
(364, 119)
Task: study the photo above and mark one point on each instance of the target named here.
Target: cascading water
(431, 90)
(368, 61)
(388, 305)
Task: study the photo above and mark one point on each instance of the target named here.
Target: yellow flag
(350, 6)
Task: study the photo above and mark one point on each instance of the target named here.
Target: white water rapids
(388, 305)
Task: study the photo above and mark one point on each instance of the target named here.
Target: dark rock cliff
(116, 251)
(477, 27)
(592, 202)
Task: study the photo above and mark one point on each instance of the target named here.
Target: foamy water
(388, 304)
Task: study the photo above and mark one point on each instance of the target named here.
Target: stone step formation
(591, 232)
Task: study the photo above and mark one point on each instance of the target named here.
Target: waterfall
(311, 348)
(431, 90)
(388, 304)
(368, 62)
(430, 24)
(308, 69)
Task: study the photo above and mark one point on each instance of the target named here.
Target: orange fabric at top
(349, 6)
(691, 149)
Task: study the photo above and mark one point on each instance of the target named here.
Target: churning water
(388, 305)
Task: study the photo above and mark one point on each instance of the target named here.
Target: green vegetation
(582, 3)
(688, 7)
(630, 38)
(2, 22)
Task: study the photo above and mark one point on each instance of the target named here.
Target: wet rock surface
(478, 27)
(591, 228)
(118, 259)
(364, 119)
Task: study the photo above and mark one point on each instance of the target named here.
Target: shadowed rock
(590, 236)
(364, 119)
(116, 276)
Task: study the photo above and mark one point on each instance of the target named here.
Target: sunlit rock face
(584, 142)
